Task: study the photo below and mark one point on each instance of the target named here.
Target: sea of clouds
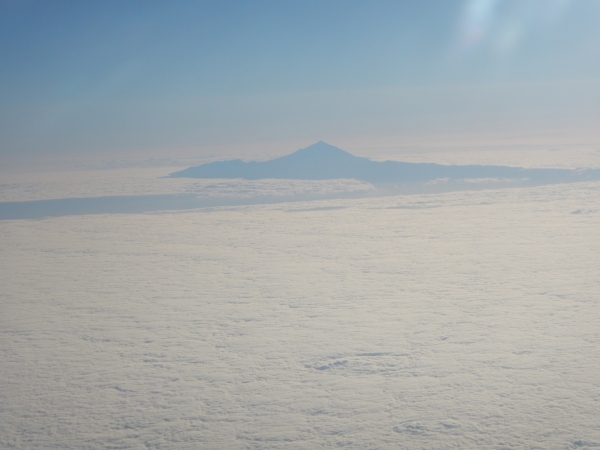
(450, 320)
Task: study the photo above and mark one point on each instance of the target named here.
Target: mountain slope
(322, 161)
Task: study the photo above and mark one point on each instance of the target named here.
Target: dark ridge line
(139, 204)
(322, 161)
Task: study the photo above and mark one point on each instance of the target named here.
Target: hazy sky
(153, 76)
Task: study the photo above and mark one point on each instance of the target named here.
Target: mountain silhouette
(322, 161)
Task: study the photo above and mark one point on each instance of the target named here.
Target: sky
(158, 78)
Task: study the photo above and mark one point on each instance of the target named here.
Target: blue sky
(151, 76)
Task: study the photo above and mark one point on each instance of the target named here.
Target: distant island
(322, 161)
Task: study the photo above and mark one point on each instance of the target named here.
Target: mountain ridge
(322, 161)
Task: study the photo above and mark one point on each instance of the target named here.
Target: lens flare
(476, 23)
(504, 23)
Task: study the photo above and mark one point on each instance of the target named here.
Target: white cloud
(465, 319)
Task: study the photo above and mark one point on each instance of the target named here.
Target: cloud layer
(463, 320)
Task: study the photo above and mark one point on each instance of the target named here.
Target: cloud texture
(466, 320)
